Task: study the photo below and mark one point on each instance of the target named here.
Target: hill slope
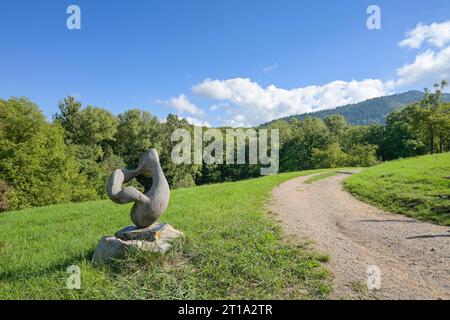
(372, 111)
(232, 250)
(414, 187)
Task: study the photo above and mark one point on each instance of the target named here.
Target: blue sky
(220, 62)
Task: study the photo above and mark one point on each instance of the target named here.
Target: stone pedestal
(156, 238)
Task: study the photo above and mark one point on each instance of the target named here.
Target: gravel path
(413, 256)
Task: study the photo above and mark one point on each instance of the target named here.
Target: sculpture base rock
(156, 238)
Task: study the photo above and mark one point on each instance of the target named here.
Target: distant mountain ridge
(372, 111)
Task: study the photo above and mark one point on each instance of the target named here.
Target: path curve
(413, 256)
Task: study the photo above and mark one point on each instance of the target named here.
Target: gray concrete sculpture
(149, 206)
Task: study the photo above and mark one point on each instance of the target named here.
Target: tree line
(69, 158)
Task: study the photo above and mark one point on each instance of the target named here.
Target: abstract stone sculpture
(145, 235)
(149, 206)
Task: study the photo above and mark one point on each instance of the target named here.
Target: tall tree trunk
(430, 130)
(432, 144)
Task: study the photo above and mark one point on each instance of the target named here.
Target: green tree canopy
(137, 132)
(34, 161)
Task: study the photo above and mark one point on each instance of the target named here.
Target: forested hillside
(372, 111)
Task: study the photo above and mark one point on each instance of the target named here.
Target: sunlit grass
(232, 250)
(414, 187)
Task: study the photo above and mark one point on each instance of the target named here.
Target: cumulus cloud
(237, 121)
(183, 105)
(255, 104)
(429, 66)
(218, 106)
(436, 34)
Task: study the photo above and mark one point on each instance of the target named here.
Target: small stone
(108, 249)
(433, 249)
(156, 238)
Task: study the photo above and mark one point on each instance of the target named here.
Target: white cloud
(255, 105)
(436, 34)
(431, 65)
(428, 67)
(197, 122)
(183, 105)
(218, 106)
(236, 122)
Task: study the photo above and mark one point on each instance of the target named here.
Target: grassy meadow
(414, 187)
(232, 249)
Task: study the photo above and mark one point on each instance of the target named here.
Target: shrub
(34, 159)
(4, 188)
(332, 157)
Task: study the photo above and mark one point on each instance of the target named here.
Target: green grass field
(414, 187)
(232, 250)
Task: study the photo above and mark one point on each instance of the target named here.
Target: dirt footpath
(413, 256)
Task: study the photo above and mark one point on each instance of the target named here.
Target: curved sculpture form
(147, 207)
